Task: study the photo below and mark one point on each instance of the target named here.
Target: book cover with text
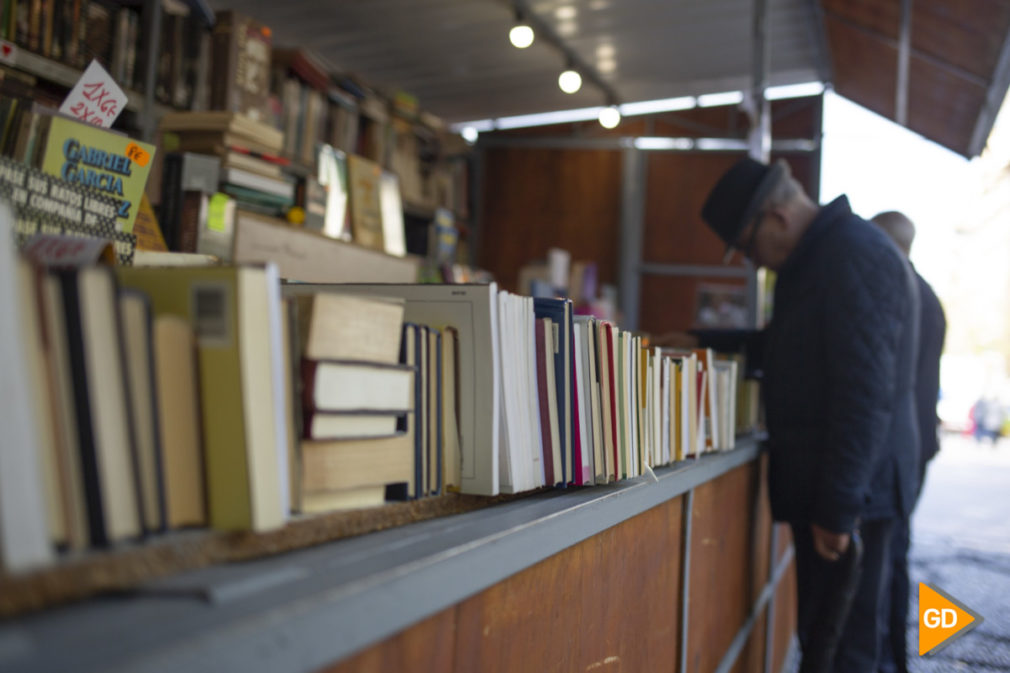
(115, 165)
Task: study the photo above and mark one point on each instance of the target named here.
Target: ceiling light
(565, 13)
(610, 117)
(521, 36)
(469, 134)
(570, 81)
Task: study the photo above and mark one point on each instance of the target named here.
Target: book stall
(266, 413)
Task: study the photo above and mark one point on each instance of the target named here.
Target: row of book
(347, 198)
(158, 398)
(585, 402)
(202, 68)
(74, 32)
(162, 398)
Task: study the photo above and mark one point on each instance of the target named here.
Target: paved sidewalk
(961, 544)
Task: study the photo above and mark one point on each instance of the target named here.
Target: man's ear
(780, 216)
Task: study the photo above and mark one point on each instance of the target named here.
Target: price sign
(96, 98)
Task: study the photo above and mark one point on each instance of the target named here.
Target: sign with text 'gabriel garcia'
(113, 164)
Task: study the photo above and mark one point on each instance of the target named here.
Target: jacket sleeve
(866, 307)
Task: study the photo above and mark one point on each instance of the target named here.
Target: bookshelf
(67, 76)
(347, 603)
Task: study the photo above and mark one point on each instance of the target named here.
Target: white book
(24, 533)
(536, 440)
(595, 425)
(260, 183)
(583, 387)
(665, 403)
(657, 406)
(512, 453)
(394, 240)
(473, 311)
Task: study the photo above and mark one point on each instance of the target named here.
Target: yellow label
(217, 212)
(137, 155)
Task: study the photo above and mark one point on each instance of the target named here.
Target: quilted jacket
(839, 376)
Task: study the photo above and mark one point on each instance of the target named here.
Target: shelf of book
(65, 75)
(305, 610)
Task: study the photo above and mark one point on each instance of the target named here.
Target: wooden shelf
(305, 610)
(65, 75)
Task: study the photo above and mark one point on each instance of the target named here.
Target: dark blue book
(558, 311)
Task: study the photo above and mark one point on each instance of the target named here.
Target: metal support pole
(760, 137)
(685, 578)
(152, 21)
(904, 54)
(476, 186)
(631, 234)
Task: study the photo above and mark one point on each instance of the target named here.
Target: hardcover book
(241, 56)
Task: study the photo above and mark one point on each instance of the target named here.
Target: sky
(882, 166)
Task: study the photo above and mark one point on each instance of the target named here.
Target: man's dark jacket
(933, 328)
(839, 374)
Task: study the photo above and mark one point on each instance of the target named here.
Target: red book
(613, 398)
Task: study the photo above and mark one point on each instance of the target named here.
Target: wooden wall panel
(865, 67)
(752, 656)
(427, 646)
(534, 199)
(880, 16)
(797, 118)
(761, 514)
(942, 106)
(785, 540)
(668, 303)
(676, 187)
(721, 585)
(785, 618)
(610, 603)
(968, 34)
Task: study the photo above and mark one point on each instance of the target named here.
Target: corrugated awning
(454, 55)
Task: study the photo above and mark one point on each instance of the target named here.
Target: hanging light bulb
(521, 35)
(570, 80)
(470, 134)
(610, 117)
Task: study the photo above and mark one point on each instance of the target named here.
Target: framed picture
(720, 306)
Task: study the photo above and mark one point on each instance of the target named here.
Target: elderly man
(932, 329)
(839, 369)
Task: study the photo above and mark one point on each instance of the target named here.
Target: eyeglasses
(758, 220)
(748, 249)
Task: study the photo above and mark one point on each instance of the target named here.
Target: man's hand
(828, 545)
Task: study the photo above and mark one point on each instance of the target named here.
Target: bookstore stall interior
(376, 336)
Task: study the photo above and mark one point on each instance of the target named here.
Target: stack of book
(358, 403)
(250, 155)
(379, 399)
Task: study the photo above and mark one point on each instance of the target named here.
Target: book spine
(171, 196)
(544, 402)
(82, 405)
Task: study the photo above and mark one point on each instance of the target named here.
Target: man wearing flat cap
(838, 386)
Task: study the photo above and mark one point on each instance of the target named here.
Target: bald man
(932, 328)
